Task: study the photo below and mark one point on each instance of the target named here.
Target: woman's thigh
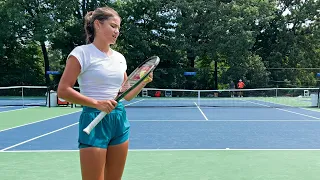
(92, 162)
(115, 161)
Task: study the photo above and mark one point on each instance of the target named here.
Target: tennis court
(176, 137)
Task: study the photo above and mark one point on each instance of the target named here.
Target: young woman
(100, 71)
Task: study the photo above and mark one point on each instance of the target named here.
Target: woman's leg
(92, 162)
(115, 161)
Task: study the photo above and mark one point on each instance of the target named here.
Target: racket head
(138, 76)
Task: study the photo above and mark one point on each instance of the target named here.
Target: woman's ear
(97, 24)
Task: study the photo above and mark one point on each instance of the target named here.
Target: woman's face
(109, 30)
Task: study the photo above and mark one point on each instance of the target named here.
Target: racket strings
(135, 76)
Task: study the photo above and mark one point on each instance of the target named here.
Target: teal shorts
(113, 129)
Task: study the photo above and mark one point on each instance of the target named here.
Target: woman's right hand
(106, 105)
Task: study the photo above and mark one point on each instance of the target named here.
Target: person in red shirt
(240, 85)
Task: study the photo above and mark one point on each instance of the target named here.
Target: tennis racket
(134, 79)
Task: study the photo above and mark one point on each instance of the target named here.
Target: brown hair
(101, 14)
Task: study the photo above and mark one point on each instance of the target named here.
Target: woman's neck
(102, 46)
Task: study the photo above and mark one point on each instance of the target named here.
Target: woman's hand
(106, 105)
(149, 78)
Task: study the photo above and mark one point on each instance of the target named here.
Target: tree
(289, 41)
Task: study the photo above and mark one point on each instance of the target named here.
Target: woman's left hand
(149, 78)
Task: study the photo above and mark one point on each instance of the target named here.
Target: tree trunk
(46, 62)
(191, 57)
(215, 75)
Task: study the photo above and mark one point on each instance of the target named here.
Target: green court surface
(172, 165)
(23, 116)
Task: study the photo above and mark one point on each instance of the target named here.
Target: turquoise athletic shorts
(113, 129)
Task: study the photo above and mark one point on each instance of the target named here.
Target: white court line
(226, 149)
(134, 102)
(230, 120)
(17, 109)
(161, 150)
(38, 121)
(201, 111)
(34, 104)
(286, 110)
(7, 106)
(10, 147)
(167, 120)
(310, 109)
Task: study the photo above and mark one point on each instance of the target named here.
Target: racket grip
(93, 124)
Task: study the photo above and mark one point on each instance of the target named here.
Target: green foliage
(24, 67)
(249, 39)
(289, 41)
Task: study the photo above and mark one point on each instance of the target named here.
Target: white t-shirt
(101, 75)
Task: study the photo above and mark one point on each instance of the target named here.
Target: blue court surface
(180, 128)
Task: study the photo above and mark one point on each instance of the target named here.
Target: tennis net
(263, 97)
(23, 96)
(154, 97)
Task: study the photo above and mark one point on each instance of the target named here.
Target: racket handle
(93, 124)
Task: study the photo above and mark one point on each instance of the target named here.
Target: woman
(100, 71)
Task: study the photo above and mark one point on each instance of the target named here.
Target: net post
(22, 96)
(318, 98)
(49, 96)
(276, 91)
(199, 97)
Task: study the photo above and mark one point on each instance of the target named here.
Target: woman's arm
(66, 91)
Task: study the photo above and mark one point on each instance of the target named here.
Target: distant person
(240, 86)
(232, 87)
